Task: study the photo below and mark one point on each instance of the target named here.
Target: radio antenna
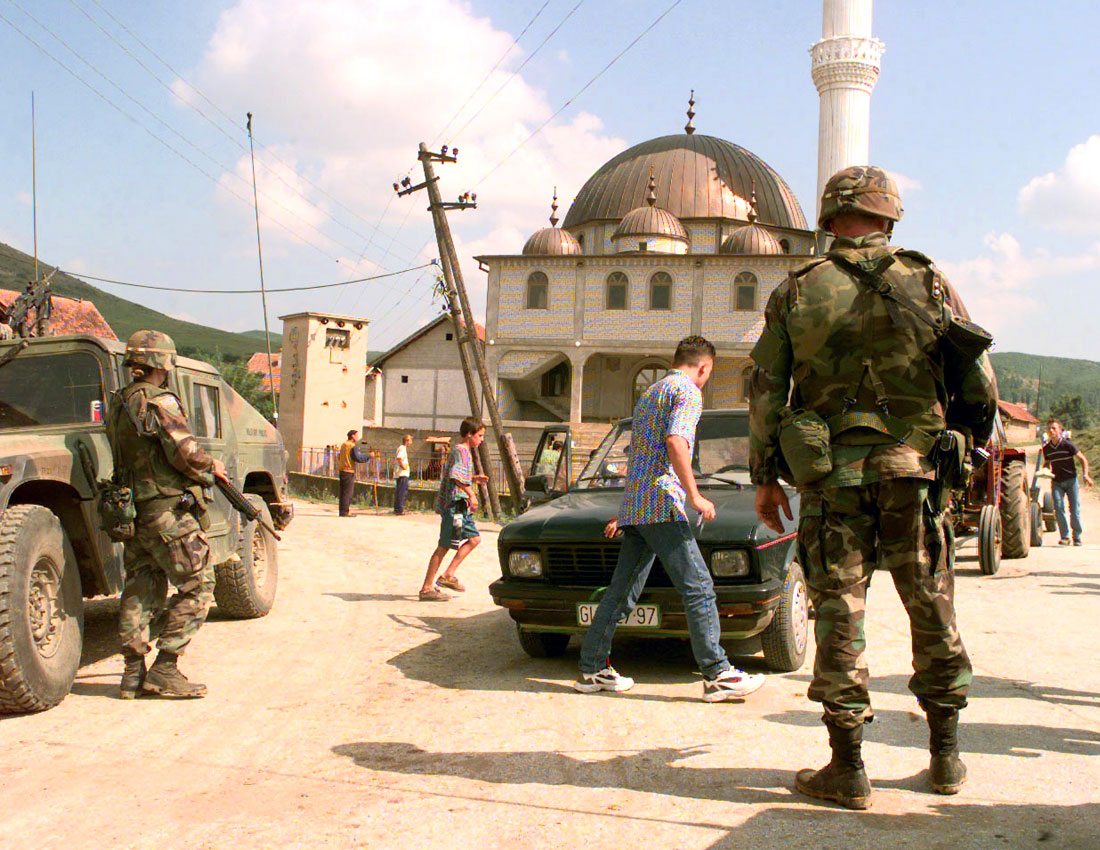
(263, 291)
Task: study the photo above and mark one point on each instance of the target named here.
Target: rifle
(244, 507)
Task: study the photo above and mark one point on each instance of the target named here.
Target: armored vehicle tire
(1015, 514)
(41, 610)
(542, 644)
(1036, 525)
(989, 540)
(784, 640)
(1050, 522)
(245, 586)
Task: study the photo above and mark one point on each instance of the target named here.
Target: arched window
(538, 291)
(785, 245)
(746, 383)
(618, 292)
(646, 377)
(660, 291)
(744, 291)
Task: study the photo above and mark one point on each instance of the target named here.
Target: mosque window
(580, 242)
(538, 291)
(744, 291)
(618, 289)
(660, 291)
(785, 245)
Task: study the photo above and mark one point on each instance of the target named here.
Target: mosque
(681, 234)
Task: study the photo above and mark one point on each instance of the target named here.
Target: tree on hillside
(1071, 412)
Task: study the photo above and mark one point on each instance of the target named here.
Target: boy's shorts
(451, 537)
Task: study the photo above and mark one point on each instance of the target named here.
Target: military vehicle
(54, 393)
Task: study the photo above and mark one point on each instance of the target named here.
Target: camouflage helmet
(151, 349)
(863, 189)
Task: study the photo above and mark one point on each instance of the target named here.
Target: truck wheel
(989, 540)
(784, 640)
(542, 644)
(245, 584)
(1015, 516)
(41, 610)
(1050, 523)
(1036, 525)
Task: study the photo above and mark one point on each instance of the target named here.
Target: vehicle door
(207, 414)
(552, 465)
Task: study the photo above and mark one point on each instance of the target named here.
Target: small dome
(552, 241)
(650, 220)
(750, 239)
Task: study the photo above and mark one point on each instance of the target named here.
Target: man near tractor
(1061, 456)
(867, 378)
(158, 458)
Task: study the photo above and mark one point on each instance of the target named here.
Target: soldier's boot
(133, 675)
(165, 679)
(945, 769)
(843, 779)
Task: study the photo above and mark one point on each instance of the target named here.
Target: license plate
(641, 617)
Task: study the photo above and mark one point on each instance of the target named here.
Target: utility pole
(452, 274)
(489, 490)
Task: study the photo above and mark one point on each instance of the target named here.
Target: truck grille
(591, 566)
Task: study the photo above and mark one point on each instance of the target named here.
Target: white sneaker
(731, 684)
(606, 680)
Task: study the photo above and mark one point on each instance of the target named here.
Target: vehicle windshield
(721, 454)
(51, 389)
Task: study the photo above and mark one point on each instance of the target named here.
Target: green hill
(1018, 379)
(125, 317)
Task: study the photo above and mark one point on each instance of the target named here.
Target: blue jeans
(1062, 490)
(674, 544)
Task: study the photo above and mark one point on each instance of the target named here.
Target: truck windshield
(51, 389)
(721, 453)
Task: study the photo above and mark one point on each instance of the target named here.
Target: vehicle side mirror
(537, 483)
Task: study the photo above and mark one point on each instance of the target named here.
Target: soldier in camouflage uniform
(168, 471)
(877, 374)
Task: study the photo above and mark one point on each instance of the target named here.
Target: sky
(988, 111)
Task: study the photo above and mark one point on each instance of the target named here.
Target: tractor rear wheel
(1015, 516)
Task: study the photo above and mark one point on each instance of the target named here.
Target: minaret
(845, 67)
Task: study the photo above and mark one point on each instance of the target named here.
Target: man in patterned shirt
(455, 504)
(653, 523)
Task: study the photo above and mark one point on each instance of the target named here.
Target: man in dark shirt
(1061, 456)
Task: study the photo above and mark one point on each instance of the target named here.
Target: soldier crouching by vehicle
(868, 379)
(157, 457)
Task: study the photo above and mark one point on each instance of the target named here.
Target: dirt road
(355, 716)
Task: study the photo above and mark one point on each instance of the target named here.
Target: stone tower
(845, 66)
(322, 388)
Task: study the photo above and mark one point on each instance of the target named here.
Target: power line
(86, 277)
(582, 89)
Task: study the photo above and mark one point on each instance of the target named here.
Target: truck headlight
(525, 564)
(729, 563)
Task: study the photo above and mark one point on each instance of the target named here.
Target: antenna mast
(263, 291)
(34, 191)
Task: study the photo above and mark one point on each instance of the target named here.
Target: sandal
(452, 583)
(433, 595)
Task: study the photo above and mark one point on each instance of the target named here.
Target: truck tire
(41, 610)
(542, 644)
(245, 585)
(1050, 522)
(989, 540)
(1036, 525)
(1015, 513)
(784, 640)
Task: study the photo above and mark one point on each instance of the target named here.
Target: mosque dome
(752, 238)
(695, 177)
(552, 240)
(650, 227)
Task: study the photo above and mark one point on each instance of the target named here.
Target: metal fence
(424, 467)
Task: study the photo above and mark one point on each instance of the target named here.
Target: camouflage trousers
(844, 533)
(167, 548)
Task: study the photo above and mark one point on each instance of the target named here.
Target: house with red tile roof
(258, 363)
(68, 316)
(1021, 424)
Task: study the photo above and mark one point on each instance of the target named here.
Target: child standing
(455, 504)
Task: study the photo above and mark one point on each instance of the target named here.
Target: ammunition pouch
(117, 512)
(962, 344)
(949, 458)
(804, 442)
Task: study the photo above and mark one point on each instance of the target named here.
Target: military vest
(862, 361)
(135, 441)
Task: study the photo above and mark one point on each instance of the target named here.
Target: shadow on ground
(482, 653)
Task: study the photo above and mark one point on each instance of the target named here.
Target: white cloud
(1002, 287)
(24, 198)
(351, 87)
(1067, 199)
(905, 183)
